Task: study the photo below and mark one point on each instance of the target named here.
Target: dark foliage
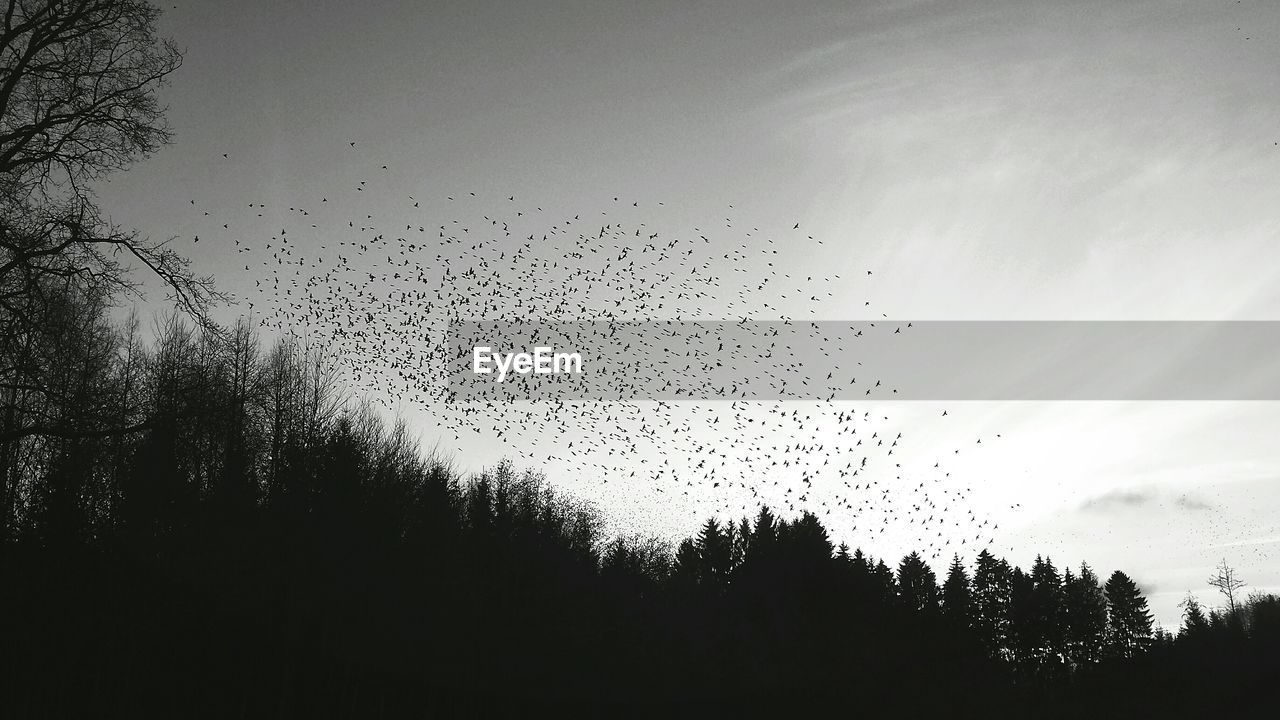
(191, 528)
(261, 547)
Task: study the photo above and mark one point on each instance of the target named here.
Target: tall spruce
(1128, 620)
(957, 596)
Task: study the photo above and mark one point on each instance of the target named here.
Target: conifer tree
(1194, 622)
(1047, 616)
(957, 596)
(686, 565)
(1023, 638)
(917, 584)
(1085, 617)
(992, 597)
(883, 586)
(1128, 620)
(715, 550)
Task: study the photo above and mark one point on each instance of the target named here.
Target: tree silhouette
(1047, 622)
(992, 591)
(1024, 639)
(1128, 621)
(715, 554)
(1227, 583)
(687, 565)
(1084, 616)
(310, 556)
(78, 99)
(883, 587)
(917, 585)
(957, 596)
(1194, 623)
(199, 523)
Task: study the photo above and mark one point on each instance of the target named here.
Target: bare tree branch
(78, 100)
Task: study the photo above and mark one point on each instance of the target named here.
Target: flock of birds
(384, 287)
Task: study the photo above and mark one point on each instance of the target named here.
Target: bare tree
(78, 82)
(1228, 584)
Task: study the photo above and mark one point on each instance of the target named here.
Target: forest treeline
(194, 523)
(194, 526)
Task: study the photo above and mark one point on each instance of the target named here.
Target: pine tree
(810, 541)
(1085, 617)
(860, 562)
(1194, 622)
(685, 566)
(764, 536)
(1047, 616)
(957, 596)
(992, 595)
(1128, 620)
(742, 542)
(843, 556)
(860, 576)
(715, 551)
(733, 534)
(1022, 627)
(917, 584)
(883, 587)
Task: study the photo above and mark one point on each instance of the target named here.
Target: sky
(990, 160)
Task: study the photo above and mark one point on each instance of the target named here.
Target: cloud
(1118, 500)
(1131, 499)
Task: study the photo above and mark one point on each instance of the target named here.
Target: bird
(371, 287)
